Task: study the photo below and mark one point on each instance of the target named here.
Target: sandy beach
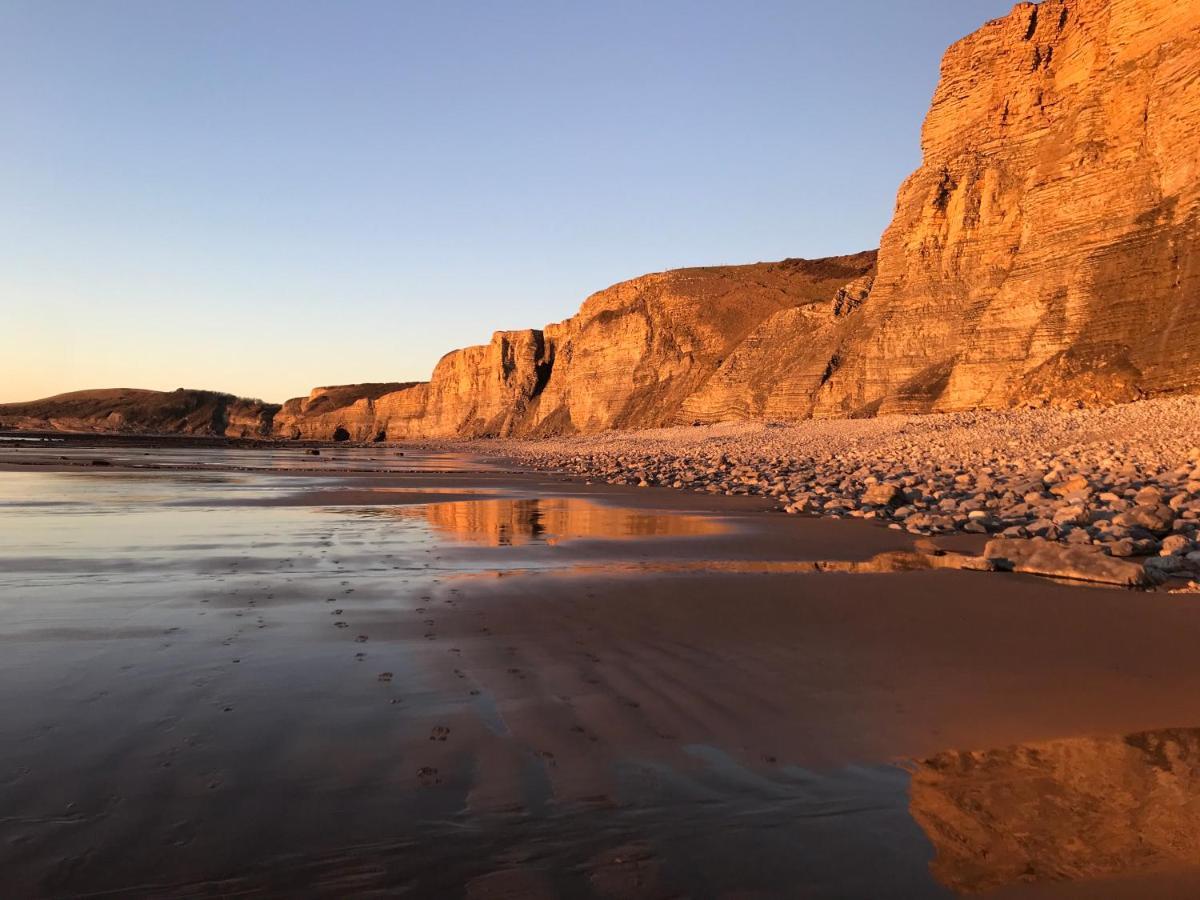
(262, 673)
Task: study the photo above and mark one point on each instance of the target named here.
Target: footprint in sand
(548, 758)
(361, 639)
(341, 624)
(386, 676)
(337, 612)
(428, 775)
(360, 656)
(439, 733)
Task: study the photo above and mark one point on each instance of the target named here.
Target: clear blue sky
(260, 196)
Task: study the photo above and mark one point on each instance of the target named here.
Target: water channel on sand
(260, 673)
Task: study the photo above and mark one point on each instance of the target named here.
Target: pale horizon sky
(262, 197)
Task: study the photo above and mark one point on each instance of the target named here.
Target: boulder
(1078, 563)
(883, 495)
(1158, 519)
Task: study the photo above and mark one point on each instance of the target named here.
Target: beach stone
(1157, 520)
(1042, 557)
(1166, 565)
(1148, 496)
(1121, 548)
(1074, 485)
(883, 495)
(1176, 545)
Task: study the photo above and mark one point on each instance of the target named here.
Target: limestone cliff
(629, 358)
(1046, 251)
(341, 412)
(635, 352)
(190, 412)
(1047, 247)
(776, 371)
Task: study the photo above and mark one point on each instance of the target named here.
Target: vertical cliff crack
(1033, 21)
(945, 188)
(830, 368)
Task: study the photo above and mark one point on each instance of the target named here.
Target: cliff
(190, 412)
(630, 358)
(1046, 250)
(637, 351)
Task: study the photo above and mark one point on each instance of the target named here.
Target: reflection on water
(1073, 809)
(501, 523)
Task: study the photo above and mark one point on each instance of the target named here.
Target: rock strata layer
(1047, 249)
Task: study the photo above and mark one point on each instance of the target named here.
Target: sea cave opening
(341, 434)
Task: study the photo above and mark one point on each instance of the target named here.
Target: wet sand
(228, 675)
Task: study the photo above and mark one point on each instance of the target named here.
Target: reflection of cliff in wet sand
(1063, 810)
(500, 523)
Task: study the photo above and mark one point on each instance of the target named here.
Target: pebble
(1124, 479)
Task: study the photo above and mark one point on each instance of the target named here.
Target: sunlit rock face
(1046, 250)
(637, 351)
(485, 391)
(354, 408)
(630, 358)
(776, 372)
(1073, 809)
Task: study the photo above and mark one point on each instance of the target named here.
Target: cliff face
(630, 358)
(776, 371)
(351, 408)
(1047, 247)
(635, 352)
(485, 391)
(474, 392)
(1046, 251)
(201, 413)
